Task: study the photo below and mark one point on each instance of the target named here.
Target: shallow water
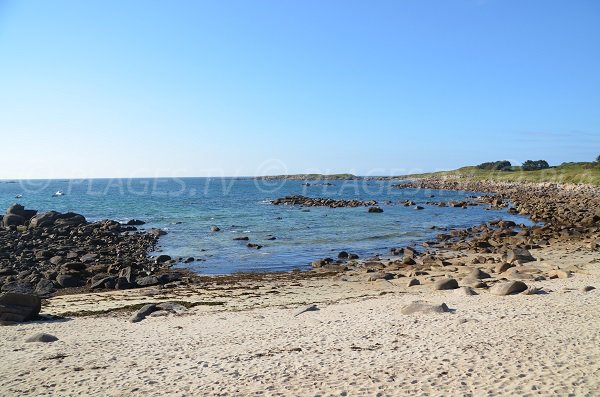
(188, 207)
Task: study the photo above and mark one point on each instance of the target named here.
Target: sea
(187, 208)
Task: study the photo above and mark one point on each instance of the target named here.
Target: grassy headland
(579, 173)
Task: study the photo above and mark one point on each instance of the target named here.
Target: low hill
(580, 173)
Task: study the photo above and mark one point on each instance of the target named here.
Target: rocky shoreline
(494, 256)
(48, 253)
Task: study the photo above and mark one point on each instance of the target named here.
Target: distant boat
(18, 196)
(57, 194)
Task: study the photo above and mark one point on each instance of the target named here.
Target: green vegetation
(580, 173)
(502, 165)
(531, 165)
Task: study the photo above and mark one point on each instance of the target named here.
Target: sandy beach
(252, 341)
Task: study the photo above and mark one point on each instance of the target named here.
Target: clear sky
(192, 88)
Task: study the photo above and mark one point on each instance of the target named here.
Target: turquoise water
(187, 208)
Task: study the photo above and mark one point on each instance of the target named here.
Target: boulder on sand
(445, 283)
(508, 288)
(16, 307)
(519, 254)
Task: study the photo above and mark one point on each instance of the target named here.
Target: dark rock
(343, 255)
(13, 220)
(15, 307)
(215, 229)
(252, 245)
(412, 282)
(135, 222)
(241, 238)
(445, 283)
(44, 288)
(162, 258)
(68, 281)
(122, 283)
(74, 266)
(45, 219)
(375, 210)
(19, 287)
(107, 282)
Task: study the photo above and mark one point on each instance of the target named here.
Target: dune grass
(577, 173)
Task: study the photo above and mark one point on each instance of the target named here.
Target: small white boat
(19, 196)
(58, 194)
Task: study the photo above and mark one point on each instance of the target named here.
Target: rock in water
(508, 288)
(423, 307)
(41, 337)
(519, 254)
(19, 307)
(375, 210)
(215, 229)
(445, 283)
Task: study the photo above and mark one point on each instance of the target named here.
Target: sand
(358, 343)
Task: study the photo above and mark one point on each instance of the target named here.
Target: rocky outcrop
(321, 202)
(41, 253)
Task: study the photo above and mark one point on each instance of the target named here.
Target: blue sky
(192, 88)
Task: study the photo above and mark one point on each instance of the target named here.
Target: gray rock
(423, 307)
(478, 274)
(41, 337)
(466, 291)
(143, 312)
(519, 254)
(380, 276)
(105, 282)
(172, 307)
(445, 283)
(508, 288)
(19, 307)
(147, 281)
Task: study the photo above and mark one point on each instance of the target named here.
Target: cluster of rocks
(41, 253)
(322, 202)
(566, 213)
(502, 262)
